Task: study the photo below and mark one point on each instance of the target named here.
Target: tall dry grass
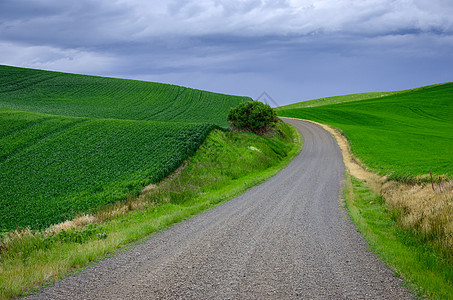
(423, 210)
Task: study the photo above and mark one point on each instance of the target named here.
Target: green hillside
(335, 100)
(103, 98)
(72, 143)
(347, 98)
(405, 135)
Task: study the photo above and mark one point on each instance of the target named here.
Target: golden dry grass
(427, 211)
(77, 223)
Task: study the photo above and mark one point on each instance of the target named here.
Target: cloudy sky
(292, 49)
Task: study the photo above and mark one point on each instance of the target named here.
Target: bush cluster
(253, 116)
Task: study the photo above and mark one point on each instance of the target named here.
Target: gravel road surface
(288, 238)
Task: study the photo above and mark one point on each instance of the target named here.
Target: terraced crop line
(288, 238)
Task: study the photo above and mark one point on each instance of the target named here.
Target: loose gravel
(288, 238)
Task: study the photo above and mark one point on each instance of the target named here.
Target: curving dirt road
(288, 238)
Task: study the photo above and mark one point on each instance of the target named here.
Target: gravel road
(288, 238)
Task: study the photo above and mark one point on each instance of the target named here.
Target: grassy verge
(226, 165)
(428, 269)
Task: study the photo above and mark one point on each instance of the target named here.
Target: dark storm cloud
(63, 24)
(296, 48)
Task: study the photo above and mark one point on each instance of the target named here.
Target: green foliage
(75, 236)
(253, 116)
(70, 144)
(405, 135)
(24, 246)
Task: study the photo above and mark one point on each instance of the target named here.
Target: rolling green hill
(348, 98)
(405, 135)
(72, 143)
(103, 98)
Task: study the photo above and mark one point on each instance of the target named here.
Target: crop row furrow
(90, 164)
(21, 140)
(25, 84)
(11, 124)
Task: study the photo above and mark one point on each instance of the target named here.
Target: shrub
(252, 116)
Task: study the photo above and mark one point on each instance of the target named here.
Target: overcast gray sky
(292, 49)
